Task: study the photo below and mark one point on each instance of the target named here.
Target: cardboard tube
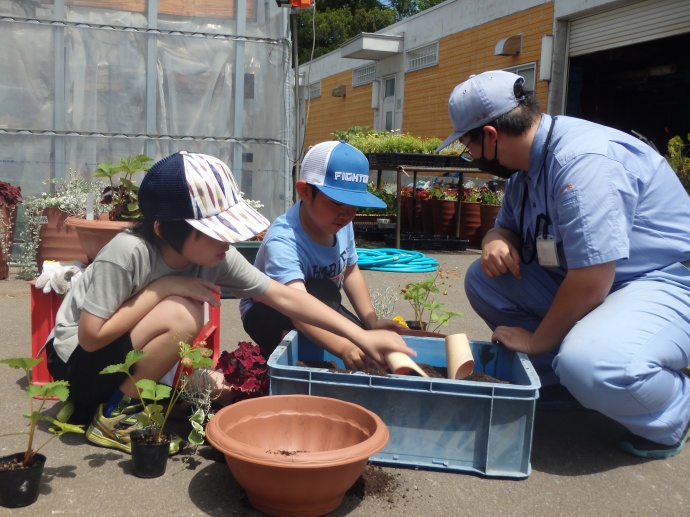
(402, 364)
(459, 358)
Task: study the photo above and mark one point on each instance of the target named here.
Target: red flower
(10, 195)
(245, 370)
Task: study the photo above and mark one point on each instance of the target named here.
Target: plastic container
(435, 424)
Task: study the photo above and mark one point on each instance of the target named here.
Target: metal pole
(295, 61)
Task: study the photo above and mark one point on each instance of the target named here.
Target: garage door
(634, 23)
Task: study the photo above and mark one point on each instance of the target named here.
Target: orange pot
(296, 455)
(94, 234)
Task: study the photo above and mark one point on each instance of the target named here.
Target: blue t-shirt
(287, 253)
(609, 196)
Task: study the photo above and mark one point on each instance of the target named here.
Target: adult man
(587, 268)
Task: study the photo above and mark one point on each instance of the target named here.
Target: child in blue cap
(146, 289)
(312, 248)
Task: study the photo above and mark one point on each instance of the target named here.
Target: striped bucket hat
(201, 190)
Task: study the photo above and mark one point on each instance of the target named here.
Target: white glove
(59, 276)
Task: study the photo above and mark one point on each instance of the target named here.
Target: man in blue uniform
(587, 269)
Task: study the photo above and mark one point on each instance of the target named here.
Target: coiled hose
(395, 260)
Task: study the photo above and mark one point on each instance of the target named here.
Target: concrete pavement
(576, 467)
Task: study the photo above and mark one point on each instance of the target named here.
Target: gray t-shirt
(125, 266)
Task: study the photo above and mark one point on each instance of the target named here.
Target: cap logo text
(352, 176)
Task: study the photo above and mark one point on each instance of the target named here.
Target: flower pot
(19, 487)
(405, 202)
(94, 234)
(296, 455)
(149, 460)
(427, 217)
(470, 222)
(58, 241)
(488, 214)
(444, 213)
(8, 220)
(417, 221)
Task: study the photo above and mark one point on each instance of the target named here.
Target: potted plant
(121, 200)
(470, 217)
(444, 207)
(429, 313)
(491, 202)
(151, 443)
(20, 473)
(46, 236)
(10, 197)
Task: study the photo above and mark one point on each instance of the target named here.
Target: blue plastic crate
(437, 424)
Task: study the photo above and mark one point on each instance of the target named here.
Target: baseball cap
(479, 100)
(201, 190)
(341, 172)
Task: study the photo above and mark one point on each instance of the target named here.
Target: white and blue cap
(341, 172)
(480, 100)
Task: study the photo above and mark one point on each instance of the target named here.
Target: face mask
(493, 166)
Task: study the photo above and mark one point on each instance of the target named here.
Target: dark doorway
(643, 87)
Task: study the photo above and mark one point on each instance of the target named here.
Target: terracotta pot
(9, 223)
(488, 214)
(296, 455)
(444, 213)
(427, 217)
(417, 221)
(470, 222)
(19, 487)
(58, 241)
(94, 234)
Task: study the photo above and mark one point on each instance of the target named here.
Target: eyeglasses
(467, 155)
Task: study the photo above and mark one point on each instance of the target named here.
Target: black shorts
(87, 386)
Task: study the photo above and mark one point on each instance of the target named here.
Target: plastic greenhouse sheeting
(85, 81)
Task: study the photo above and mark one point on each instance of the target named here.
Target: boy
(312, 248)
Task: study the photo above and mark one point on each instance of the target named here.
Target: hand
(387, 325)
(378, 343)
(356, 360)
(189, 287)
(499, 256)
(513, 338)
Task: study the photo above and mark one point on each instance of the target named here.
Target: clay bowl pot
(296, 455)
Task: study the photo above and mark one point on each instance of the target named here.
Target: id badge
(547, 252)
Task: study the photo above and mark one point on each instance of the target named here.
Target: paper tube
(402, 364)
(458, 356)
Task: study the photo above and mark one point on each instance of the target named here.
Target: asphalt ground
(576, 467)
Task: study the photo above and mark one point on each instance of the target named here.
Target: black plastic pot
(19, 487)
(149, 460)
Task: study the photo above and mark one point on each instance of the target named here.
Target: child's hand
(387, 325)
(355, 359)
(378, 343)
(190, 287)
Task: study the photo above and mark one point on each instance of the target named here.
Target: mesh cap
(479, 100)
(201, 190)
(341, 172)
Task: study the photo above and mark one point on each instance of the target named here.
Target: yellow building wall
(471, 52)
(328, 114)
(425, 110)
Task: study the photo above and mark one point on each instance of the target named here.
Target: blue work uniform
(608, 197)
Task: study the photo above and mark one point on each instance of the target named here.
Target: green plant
(429, 312)
(57, 389)
(678, 158)
(69, 195)
(369, 141)
(444, 194)
(386, 194)
(154, 415)
(123, 199)
(489, 197)
(471, 195)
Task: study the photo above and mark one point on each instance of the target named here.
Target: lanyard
(542, 219)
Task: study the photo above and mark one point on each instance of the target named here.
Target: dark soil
(435, 372)
(374, 482)
(15, 463)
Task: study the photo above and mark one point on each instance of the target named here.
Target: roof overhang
(372, 46)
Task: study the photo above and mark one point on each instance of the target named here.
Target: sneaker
(643, 448)
(115, 432)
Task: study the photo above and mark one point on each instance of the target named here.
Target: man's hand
(499, 254)
(513, 338)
